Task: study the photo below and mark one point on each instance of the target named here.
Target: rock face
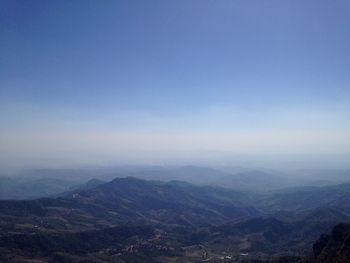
(334, 247)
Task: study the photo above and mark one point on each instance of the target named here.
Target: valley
(136, 220)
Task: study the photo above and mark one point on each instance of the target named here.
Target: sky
(232, 82)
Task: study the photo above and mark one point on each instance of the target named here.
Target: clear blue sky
(173, 78)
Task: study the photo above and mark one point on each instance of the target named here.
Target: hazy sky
(236, 81)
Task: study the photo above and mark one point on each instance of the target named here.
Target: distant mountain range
(30, 188)
(49, 182)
